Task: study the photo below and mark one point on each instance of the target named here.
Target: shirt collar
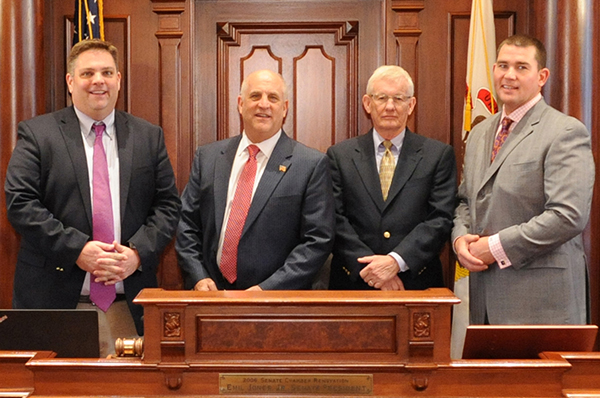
(86, 122)
(397, 141)
(266, 147)
(518, 113)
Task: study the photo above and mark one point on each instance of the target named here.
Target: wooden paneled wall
(183, 60)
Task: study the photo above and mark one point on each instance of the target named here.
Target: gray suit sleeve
(568, 180)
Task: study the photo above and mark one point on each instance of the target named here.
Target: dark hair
(87, 45)
(527, 41)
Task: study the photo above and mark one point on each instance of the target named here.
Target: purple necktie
(237, 216)
(501, 137)
(102, 217)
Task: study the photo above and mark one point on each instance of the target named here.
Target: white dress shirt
(109, 140)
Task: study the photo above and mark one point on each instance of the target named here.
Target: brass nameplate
(300, 384)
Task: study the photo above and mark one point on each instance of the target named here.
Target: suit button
(387, 234)
(59, 269)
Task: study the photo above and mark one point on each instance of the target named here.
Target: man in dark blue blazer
(391, 240)
(49, 195)
(288, 232)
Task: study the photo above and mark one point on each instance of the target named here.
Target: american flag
(89, 20)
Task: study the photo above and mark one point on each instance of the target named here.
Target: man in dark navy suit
(287, 234)
(394, 193)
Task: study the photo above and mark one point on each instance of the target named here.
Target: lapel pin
(282, 168)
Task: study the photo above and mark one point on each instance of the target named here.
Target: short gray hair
(391, 72)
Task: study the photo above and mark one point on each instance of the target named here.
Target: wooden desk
(351, 344)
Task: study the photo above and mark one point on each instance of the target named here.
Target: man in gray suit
(285, 232)
(525, 199)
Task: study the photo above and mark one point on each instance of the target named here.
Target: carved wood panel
(314, 44)
(319, 63)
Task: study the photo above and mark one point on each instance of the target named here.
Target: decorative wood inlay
(169, 21)
(421, 324)
(172, 324)
(296, 334)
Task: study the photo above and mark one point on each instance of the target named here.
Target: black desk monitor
(526, 341)
(69, 333)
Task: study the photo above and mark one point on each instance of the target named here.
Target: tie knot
(506, 122)
(99, 129)
(253, 150)
(387, 144)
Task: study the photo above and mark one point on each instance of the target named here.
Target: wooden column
(23, 96)
(403, 32)
(174, 87)
(571, 37)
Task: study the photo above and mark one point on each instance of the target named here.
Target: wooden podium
(317, 332)
(298, 344)
(281, 327)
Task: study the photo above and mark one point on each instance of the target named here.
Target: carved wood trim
(229, 35)
(406, 32)
(297, 60)
(169, 35)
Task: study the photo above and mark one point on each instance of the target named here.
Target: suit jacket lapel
(366, 166)
(410, 156)
(71, 131)
(125, 146)
(281, 156)
(525, 127)
(223, 166)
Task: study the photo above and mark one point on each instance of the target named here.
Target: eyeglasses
(382, 99)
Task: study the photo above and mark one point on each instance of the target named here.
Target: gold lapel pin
(282, 168)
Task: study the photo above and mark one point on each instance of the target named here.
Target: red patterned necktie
(102, 217)
(501, 137)
(237, 216)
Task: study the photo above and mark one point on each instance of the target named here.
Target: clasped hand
(473, 252)
(381, 272)
(108, 262)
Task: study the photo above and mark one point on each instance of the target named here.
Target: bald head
(263, 104)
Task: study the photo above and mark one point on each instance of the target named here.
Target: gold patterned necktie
(386, 169)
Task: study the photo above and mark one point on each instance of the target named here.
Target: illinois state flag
(480, 103)
(480, 99)
(88, 21)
